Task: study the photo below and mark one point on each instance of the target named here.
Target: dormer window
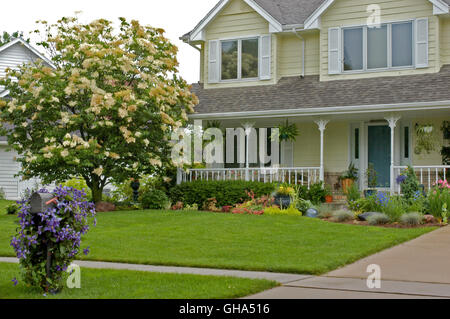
(371, 48)
(243, 59)
(389, 46)
(240, 59)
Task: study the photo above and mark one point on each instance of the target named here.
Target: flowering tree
(54, 233)
(106, 108)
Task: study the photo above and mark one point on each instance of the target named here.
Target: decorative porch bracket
(322, 124)
(392, 120)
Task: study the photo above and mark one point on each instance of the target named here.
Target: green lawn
(268, 243)
(126, 284)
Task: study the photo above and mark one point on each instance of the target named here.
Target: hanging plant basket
(426, 140)
(287, 132)
(446, 130)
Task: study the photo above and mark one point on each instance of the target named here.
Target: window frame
(239, 62)
(389, 67)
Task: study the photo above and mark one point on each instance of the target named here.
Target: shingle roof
(290, 11)
(309, 92)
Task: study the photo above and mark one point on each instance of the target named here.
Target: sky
(176, 17)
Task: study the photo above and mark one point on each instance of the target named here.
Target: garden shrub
(303, 205)
(378, 219)
(438, 199)
(411, 219)
(409, 183)
(325, 211)
(353, 193)
(12, 209)
(394, 208)
(343, 216)
(316, 193)
(80, 184)
(154, 199)
(227, 193)
(2, 193)
(62, 227)
(291, 211)
(123, 193)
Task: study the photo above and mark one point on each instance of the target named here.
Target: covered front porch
(330, 140)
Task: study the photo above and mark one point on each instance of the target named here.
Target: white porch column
(322, 124)
(392, 120)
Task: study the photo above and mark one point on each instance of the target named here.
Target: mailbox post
(40, 202)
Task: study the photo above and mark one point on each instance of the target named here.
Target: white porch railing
(427, 175)
(295, 175)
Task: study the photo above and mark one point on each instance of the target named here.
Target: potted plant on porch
(372, 181)
(348, 177)
(328, 194)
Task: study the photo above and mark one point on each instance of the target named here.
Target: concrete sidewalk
(278, 277)
(416, 269)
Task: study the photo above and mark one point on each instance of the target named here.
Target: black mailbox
(39, 202)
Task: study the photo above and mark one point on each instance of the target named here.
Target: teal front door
(379, 138)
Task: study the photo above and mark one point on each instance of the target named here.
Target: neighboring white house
(12, 55)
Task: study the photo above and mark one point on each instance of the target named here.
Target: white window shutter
(213, 62)
(334, 44)
(287, 154)
(421, 36)
(265, 52)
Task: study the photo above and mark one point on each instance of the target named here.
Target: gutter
(303, 51)
(334, 110)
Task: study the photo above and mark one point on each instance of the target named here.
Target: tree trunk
(97, 193)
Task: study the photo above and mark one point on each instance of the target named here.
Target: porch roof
(295, 93)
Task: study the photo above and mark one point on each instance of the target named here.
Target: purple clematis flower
(86, 251)
(15, 282)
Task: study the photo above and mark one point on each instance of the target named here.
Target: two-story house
(359, 78)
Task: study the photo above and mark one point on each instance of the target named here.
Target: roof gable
(198, 32)
(286, 14)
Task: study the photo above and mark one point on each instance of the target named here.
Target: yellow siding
(237, 19)
(353, 12)
(444, 29)
(434, 158)
(307, 146)
(290, 54)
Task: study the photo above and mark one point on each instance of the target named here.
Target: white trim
(4, 93)
(311, 21)
(357, 109)
(439, 7)
(197, 34)
(29, 47)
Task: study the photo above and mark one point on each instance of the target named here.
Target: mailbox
(39, 202)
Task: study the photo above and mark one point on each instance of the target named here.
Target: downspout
(303, 50)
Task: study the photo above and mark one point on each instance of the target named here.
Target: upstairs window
(371, 48)
(240, 59)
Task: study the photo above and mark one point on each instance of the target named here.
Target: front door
(379, 138)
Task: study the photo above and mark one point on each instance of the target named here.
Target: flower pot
(329, 199)
(346, 184)
(283, 201)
